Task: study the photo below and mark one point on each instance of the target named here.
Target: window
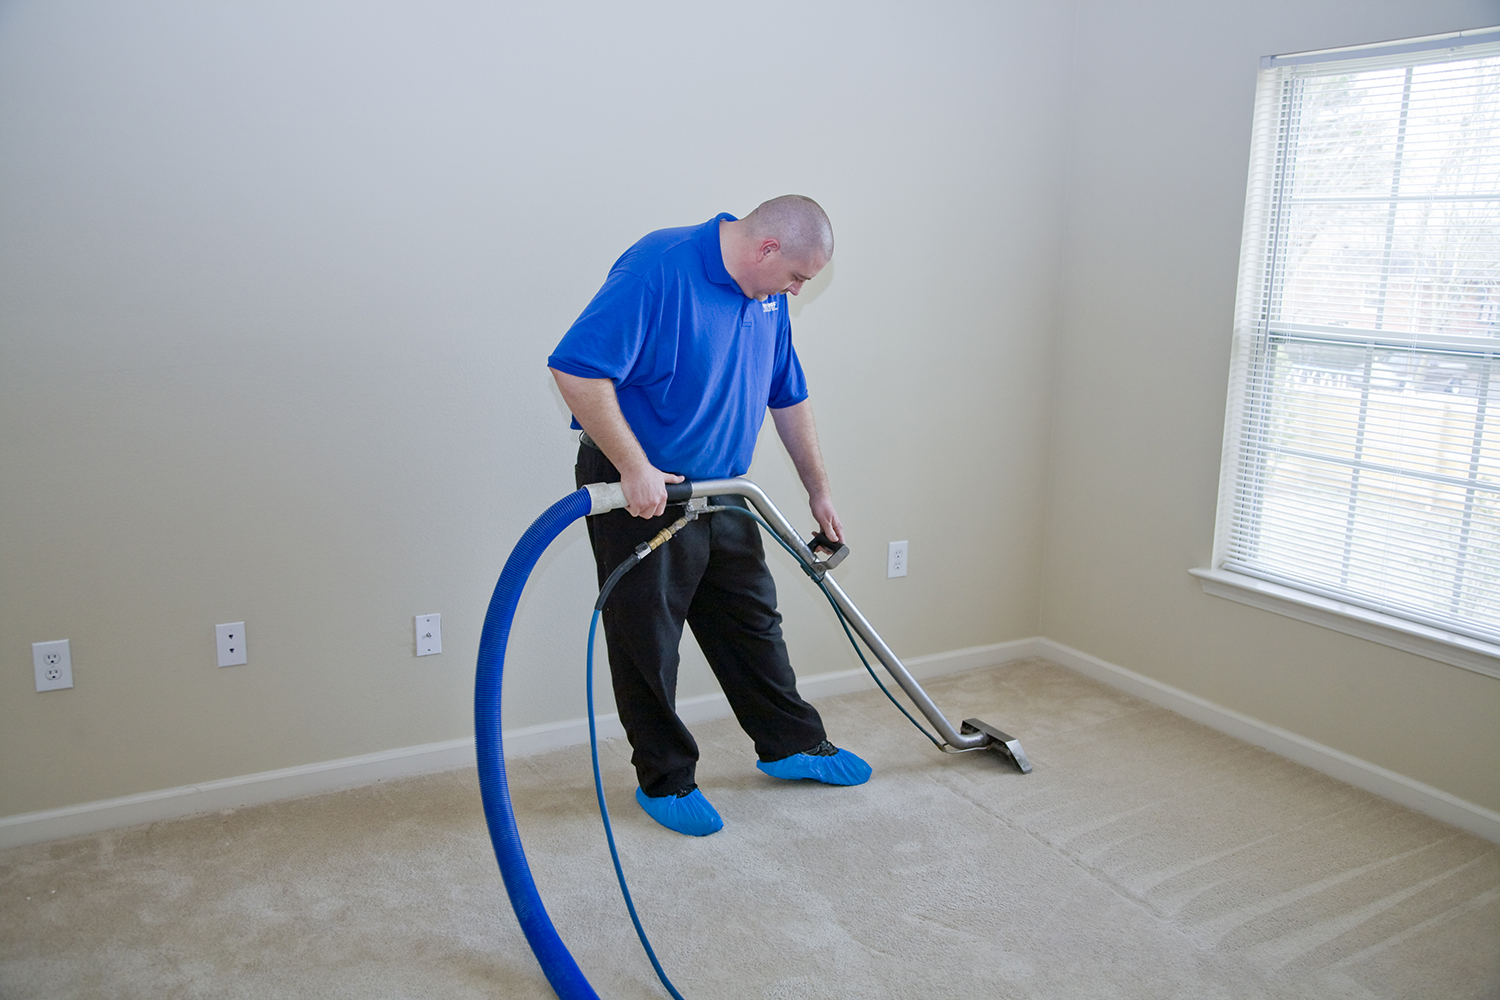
(1361, 478)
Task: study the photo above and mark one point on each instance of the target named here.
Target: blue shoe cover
(841, 768)
(690, 814)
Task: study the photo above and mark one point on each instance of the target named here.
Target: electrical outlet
(429, 634)
(231, 640)
(895, 559)
(53, 665)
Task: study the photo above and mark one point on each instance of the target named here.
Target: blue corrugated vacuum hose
(556, 961)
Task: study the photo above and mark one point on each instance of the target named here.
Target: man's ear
(767, 248)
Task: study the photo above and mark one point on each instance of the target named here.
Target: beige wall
(1160, 132)
(277, 283)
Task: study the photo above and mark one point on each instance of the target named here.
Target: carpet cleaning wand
(557, 962)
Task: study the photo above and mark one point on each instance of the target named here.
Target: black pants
(712, 575)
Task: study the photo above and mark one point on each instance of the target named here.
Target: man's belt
(588, 442)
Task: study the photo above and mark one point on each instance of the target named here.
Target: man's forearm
(799, 435)
(597, 409)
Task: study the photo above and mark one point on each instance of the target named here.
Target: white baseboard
(1352, 770)
(366, 769)
(232, 793)
(350, 772)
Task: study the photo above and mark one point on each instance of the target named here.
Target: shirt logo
(768, 306)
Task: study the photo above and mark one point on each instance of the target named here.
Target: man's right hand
(646, 490)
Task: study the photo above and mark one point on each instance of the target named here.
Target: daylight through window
(1362, 458)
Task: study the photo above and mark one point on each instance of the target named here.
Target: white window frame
(1305, 602)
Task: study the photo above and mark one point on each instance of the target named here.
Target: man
(668, 373)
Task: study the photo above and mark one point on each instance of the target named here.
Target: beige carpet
(1146, 857)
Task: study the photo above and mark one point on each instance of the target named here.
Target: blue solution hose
(557, 962)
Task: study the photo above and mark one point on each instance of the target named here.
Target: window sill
(1436, 644)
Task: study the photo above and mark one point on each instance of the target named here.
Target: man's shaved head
(798, 223)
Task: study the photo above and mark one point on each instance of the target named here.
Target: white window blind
(1362, 447)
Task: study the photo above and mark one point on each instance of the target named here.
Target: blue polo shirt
(694, 361)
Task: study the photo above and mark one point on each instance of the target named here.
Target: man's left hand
(827, 518)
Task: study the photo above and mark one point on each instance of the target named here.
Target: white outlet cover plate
(231, 641)
(54, 665)
(429, 634)
(895, 559)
